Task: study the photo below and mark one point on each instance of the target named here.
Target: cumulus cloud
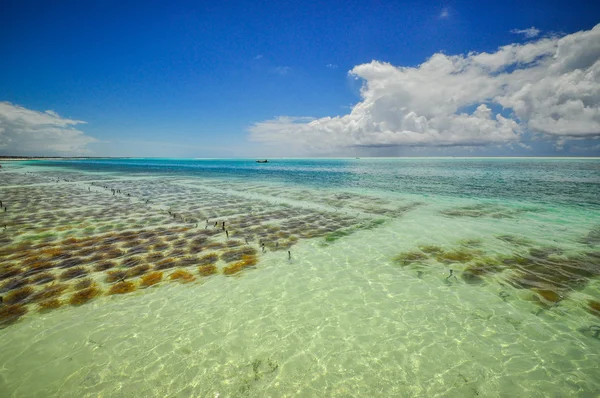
(529, 33)
(27, 132)
(549, 88)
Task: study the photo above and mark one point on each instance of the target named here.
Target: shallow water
(367, 305)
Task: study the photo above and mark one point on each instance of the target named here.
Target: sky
(303, 78)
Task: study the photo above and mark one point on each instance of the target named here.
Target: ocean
(410, 277)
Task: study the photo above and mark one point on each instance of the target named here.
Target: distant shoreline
(24, 158)
(21, 158)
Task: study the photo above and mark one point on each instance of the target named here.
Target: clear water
(366, 306)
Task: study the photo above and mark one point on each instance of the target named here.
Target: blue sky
(228, 79)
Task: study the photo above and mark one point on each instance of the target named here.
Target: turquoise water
(378, 277)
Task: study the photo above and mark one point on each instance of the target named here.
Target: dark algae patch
(84, 295)
(547, 271)
(593, 237)
(11, 313)
(151, 279)
(491, 210)
(459, 255)
(408, 258)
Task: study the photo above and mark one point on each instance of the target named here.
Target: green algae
(514, 240)
(333, 236)
(459, 255)
(408, 258)
(470, 242)
(592, 238)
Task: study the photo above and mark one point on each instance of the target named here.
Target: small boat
(262, 161)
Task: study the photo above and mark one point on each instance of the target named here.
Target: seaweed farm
(348, 277)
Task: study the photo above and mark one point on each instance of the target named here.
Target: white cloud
(282, 70)
(259, 56)
(444, 14)
(529, 33)
(549, 88)
(332, 66)
(27, 132)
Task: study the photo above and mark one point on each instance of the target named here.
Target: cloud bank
(544, 89)
(27, 132)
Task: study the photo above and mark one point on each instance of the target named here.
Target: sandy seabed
(118, 284)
